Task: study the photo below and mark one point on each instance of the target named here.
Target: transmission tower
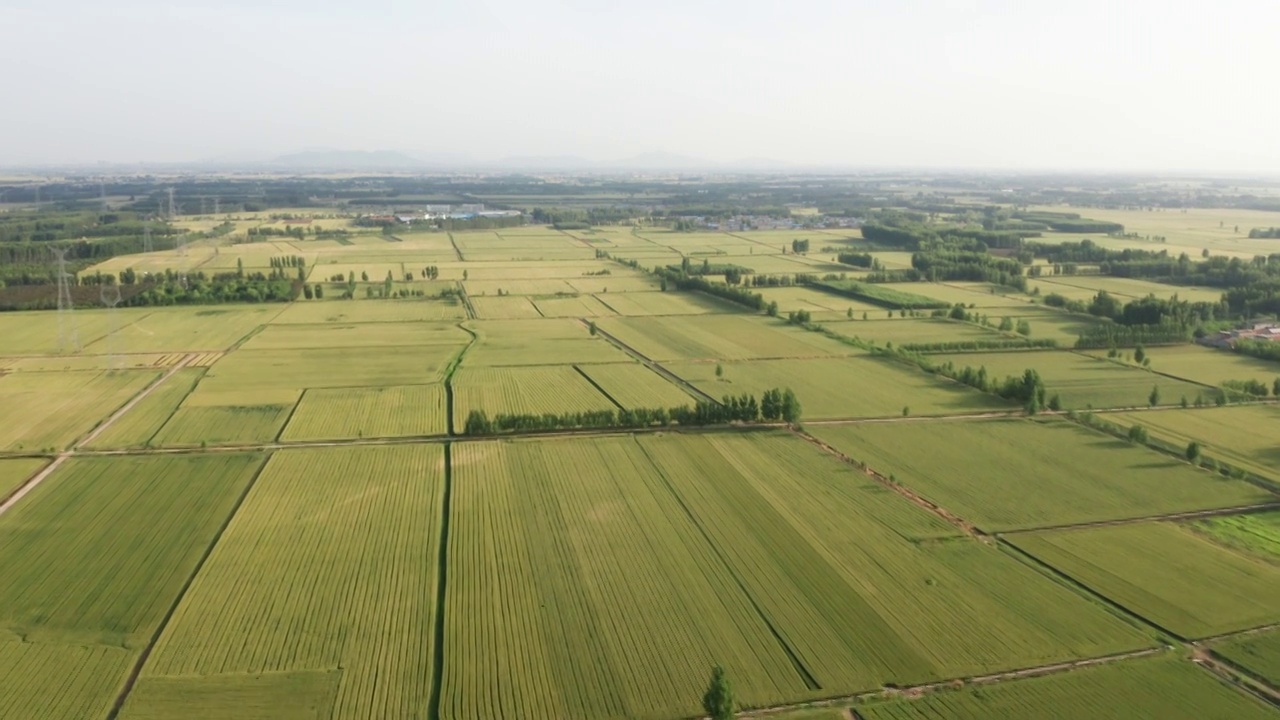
(102, 193)
(217, 202)
(68, 334)
(110, 295)
(172, 214)
(147, 245)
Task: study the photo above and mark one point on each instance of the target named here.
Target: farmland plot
(1081, 381)
(1165, 687)
(15, 472)
(1210, 366)
(582, 576)
(1258, 653)
(272, 371)
(1244, 436)
(665, 303)
(370, 311)
(327, 570)
(572, 306)
(917, 332)
(136, 427)
(1256, 533)
(523, 390)
(504, 308)
(545, 342)
(1167, 573)
(223, 425)
(1023, 481)
(613, 284)
(369, 412)
(186, 329)
(353, 335)
(636, 386)
(57, 408)
(828, 388)
(858, 604)
(93, 559)
(720, 337)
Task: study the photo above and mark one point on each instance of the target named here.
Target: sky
(1138, 85)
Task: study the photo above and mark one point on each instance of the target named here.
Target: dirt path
(48, 470)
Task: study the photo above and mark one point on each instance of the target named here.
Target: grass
(136, 427)
(523, 390)
(1168, 573)
(369, 413)
(229, 425)
(1082, 382)
(636, 386)
(1210, 366)
(720, 337)
(1085, 287)
(830, 388)
(1018, 474)
(1257, 533)
(57, 408)
(1242, 436)
(1164, 687)
(1258, 653)
(328, 566)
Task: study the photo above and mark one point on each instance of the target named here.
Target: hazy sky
(1113, 84)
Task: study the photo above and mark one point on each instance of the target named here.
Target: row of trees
(774, 405)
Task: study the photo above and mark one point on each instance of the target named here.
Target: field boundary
(1167, 517)
(447, 380)
(596, 385)
(442, 578)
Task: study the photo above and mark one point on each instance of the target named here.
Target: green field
(1082, 382)
(227, 425)
(664, 303)
(369, 412)
(93, 559)
(328, 573)
(842, 387)
(916, 331)
(636, 386)
(720, 337)
(1255, 533)
(706, 538)
(57, 408)
(15, 473)
(1211, 366)
(1167, 573)
(137, 426)
(1242, 436)
(1164, 687)
(544, 342)
(523, 390)
(1029, 477)
(1258, 653)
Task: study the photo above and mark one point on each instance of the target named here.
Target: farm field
(1258, 653)
(722, 337)
(835, 388)
(223, 425)
(57, 408)
(573, 522)
(911, 332)
(369, 311)
(93, 558)
(371, 335)
(1256, 533)
(15, 472)
(1210, 366)
(1085, 287)
(1022, 481)
(287, 372)
(573, 306)
(664, 303)
(137, 426)
(1167, 573)
(1082, 382)
(327, 572)
(1160, 687)
(635, 386)
(552, 341)
(369, 412)
(1242, 436)
(504, 308)
(523, 390)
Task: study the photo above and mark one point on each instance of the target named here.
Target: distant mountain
(659, 161)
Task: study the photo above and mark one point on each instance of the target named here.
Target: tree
(718, 700)
(1275, 389)
(1154, 398)
(864, 315)
(307, 292)
(906, 410)
(1193, 452)
(772, 308)
(1138, 434)
(1006, 324)
(319, 291)
(478, 423)
(1055, 403)
(719, 370)
(1139, 353)
(790, 407)
(364, 275)
(1024, 328)
(849, 314)
(464, 274)
(591, 327)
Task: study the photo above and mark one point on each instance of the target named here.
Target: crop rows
(579, 589)
(1258, 653)
(635, 386)
(50, 410)
(60, 681)
(1164, 687)
(369, 413)
(1027, 480)
(858, 603)
(215, 425)
(1167, 573)
(144, 420)
(523, 390)
(328, 565)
